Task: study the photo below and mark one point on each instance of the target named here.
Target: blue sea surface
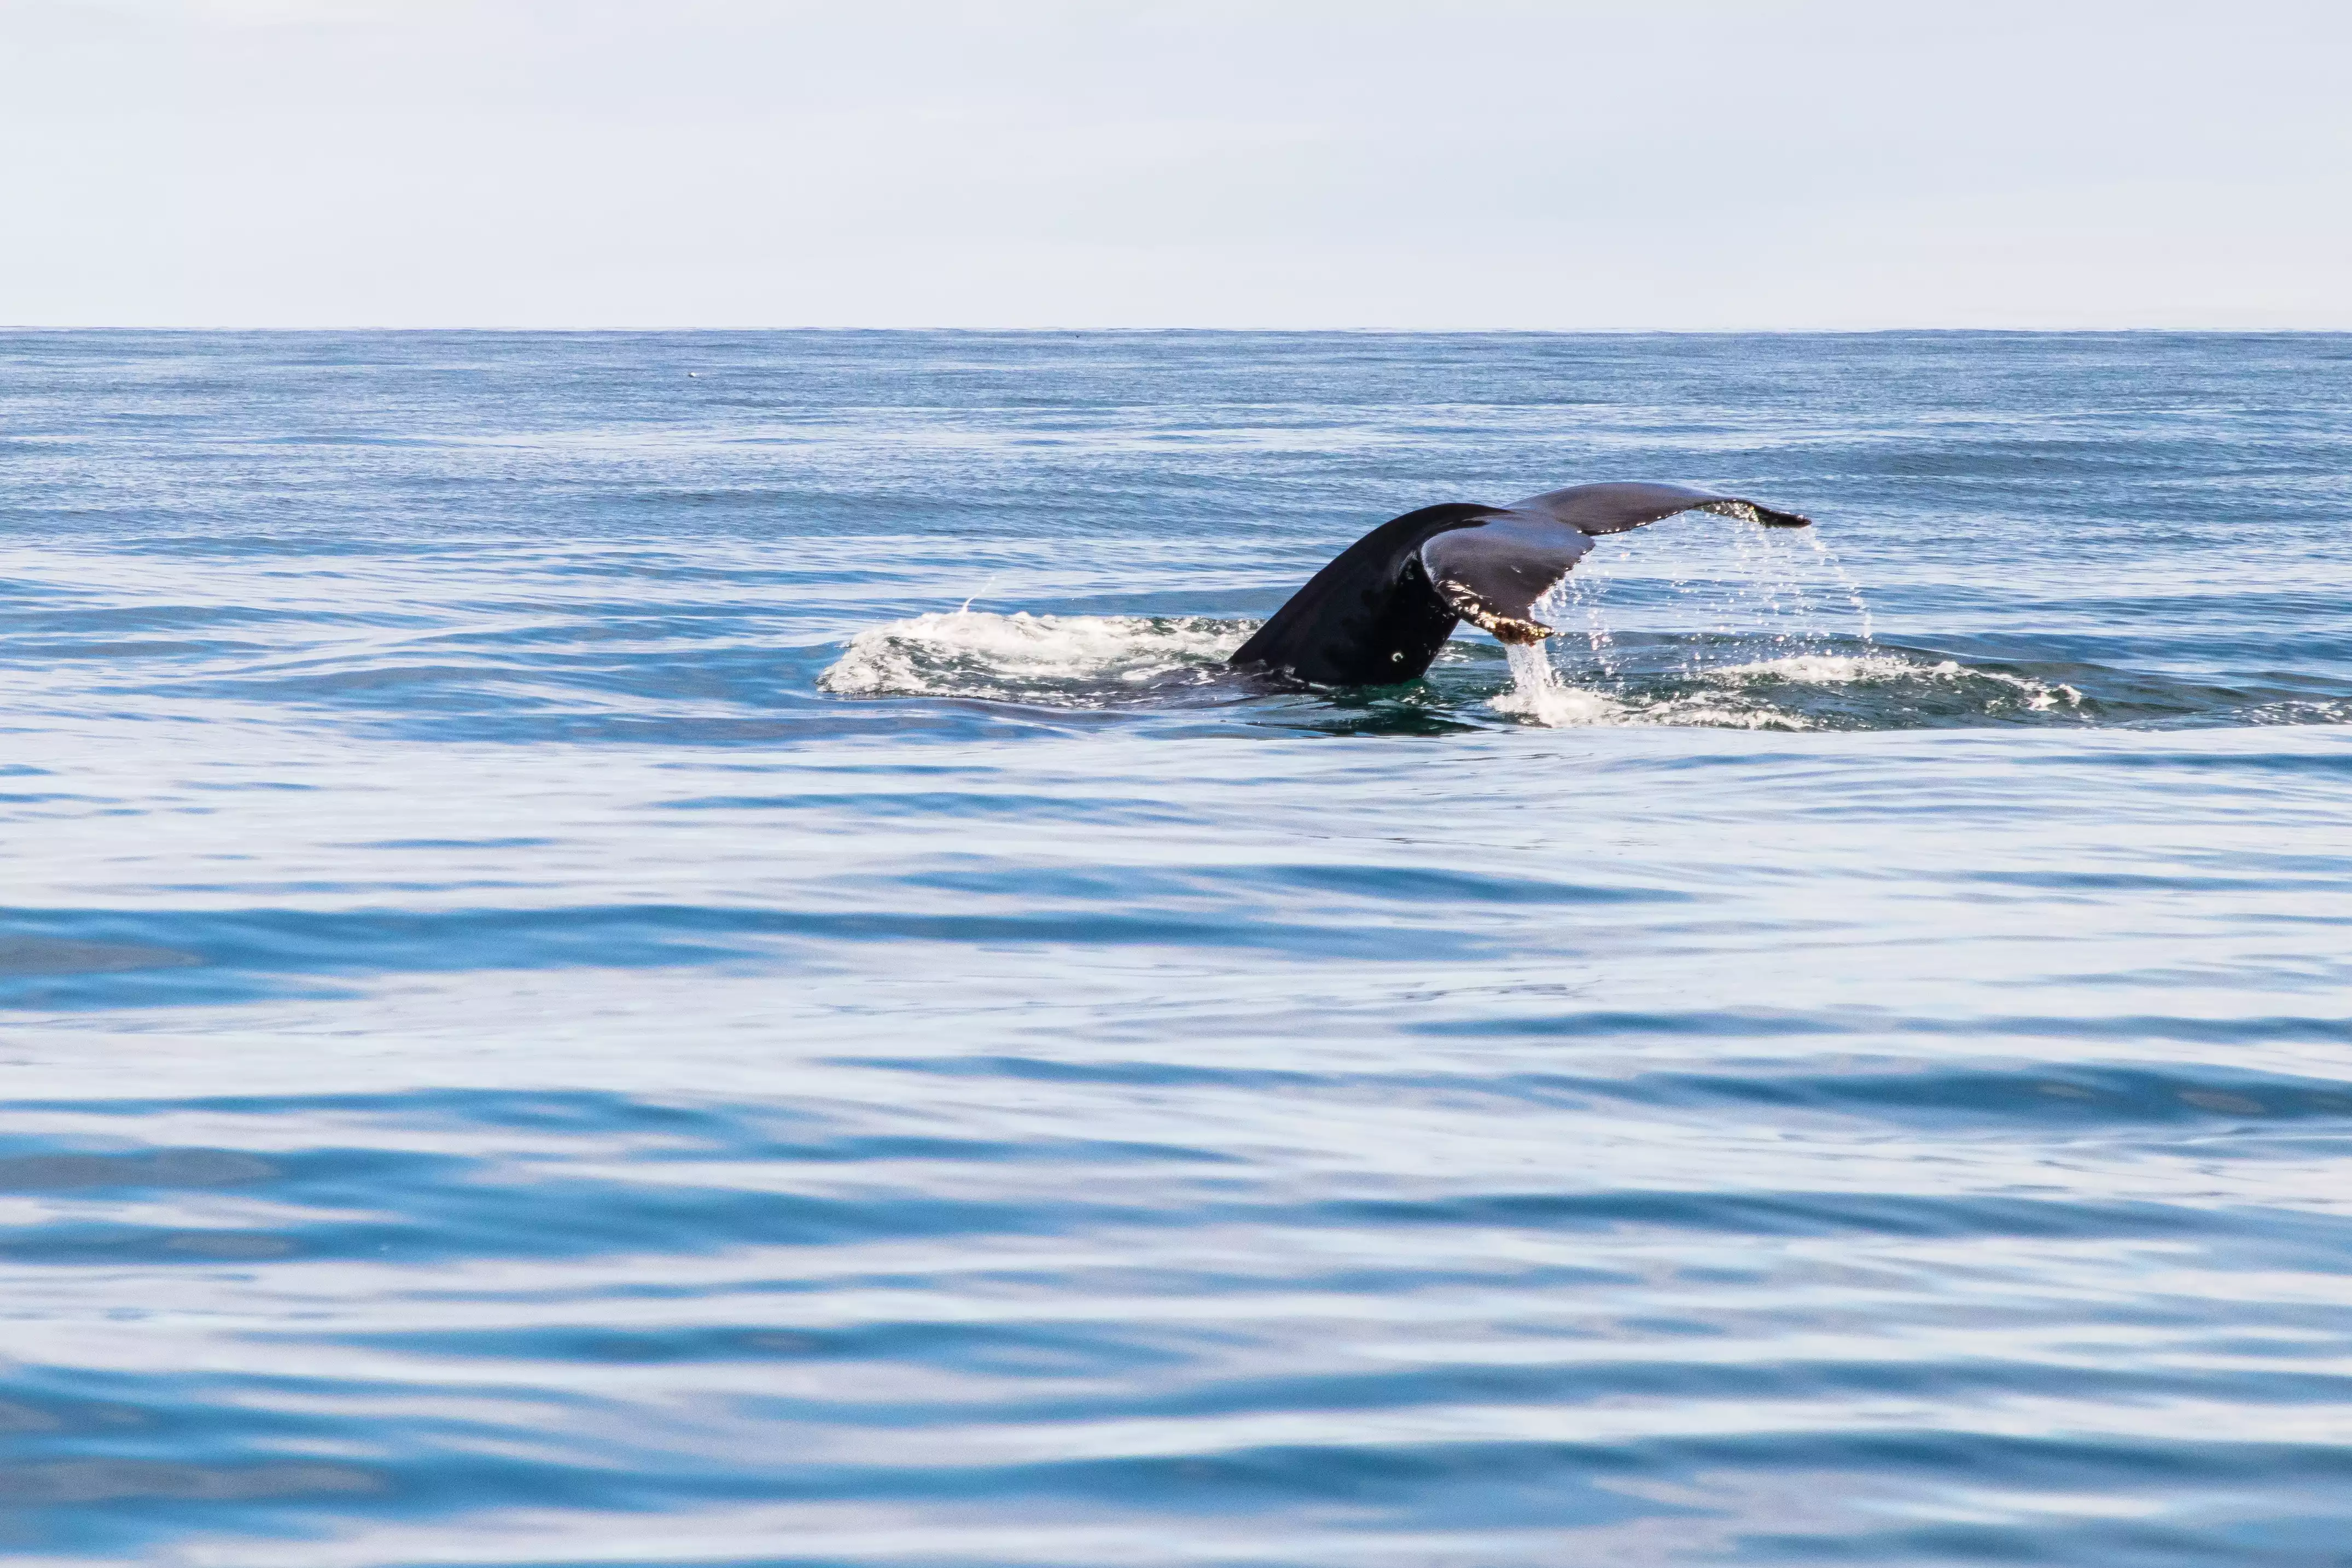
(672, 949)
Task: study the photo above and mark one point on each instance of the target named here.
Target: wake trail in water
(1781, 638)
(1714, 681)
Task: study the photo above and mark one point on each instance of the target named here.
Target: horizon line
(1248, 331)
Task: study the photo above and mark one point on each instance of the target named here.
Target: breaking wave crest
(1075, 660)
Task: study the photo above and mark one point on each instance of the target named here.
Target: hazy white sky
(1465, 164)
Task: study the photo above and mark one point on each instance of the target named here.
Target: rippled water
(671, 949)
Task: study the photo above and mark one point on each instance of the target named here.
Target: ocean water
(670, 949)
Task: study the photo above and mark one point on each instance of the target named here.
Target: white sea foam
(1085, 661)
(974, 653)
(1563, 707)
(1538, 696)
(1743, 696)
(1572, 708)
(1840, 669)
(1827, 669)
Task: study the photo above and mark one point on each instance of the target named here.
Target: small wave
(1035, 658)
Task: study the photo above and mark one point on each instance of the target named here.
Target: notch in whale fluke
(1378, 613)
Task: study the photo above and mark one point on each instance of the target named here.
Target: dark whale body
(1371, 616)
(1380, 611)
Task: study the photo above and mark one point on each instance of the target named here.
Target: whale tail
(1380, 611)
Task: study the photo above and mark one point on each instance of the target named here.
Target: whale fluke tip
(1750, 512)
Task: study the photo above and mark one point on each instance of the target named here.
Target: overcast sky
(1447, 164)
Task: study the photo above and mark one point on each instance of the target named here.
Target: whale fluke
(1379, 612)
